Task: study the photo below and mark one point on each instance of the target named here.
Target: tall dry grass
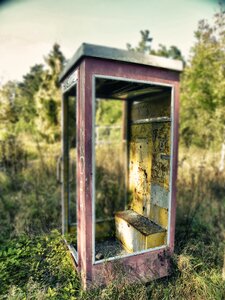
(30, 205)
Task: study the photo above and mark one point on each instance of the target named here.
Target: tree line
(32, 107)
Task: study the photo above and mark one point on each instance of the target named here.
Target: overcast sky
(28, 28)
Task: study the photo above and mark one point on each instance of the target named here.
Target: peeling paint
(161, 146)
(147, 166)
(159, 196)
(140, 175)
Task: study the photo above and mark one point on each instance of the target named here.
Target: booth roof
(89, 50)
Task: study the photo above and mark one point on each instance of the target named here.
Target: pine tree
(144, 46)
(48, 97)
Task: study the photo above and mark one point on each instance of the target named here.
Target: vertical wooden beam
(85, 174)
(89, 123)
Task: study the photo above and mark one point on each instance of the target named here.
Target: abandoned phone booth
(119, 162)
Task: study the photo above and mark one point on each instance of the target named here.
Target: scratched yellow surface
(155, 240)
(159, 215)
(146, 165)
(140, 175)
(149, 145)
(161, 146)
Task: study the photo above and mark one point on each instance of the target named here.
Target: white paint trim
(93, 169)
(171, 163)
(93, 164)
(72, 250)
(77, 219)
(131, 254)
(133, 80)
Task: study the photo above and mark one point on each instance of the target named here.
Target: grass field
(34, 263)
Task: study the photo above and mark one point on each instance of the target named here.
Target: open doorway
(132, 166)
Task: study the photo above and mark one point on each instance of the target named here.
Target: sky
(29, 28)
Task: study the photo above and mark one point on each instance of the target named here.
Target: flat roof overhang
(89, 50)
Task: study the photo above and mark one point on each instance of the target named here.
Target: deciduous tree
(203, 86)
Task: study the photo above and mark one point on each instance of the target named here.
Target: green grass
(34, 263)
(37, 267)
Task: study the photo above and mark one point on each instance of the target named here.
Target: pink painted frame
(143, 266)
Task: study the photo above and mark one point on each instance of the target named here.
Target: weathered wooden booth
(119, 162)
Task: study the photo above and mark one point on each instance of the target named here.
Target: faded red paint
(145, 266)
(137, 268)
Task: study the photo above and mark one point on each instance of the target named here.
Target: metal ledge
(89, 50)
